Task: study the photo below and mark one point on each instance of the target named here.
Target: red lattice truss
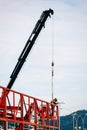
(27, 110)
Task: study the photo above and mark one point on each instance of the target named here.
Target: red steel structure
(20, 108)
(27, 110)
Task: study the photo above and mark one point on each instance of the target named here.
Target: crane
(26, 107)
(29, 44)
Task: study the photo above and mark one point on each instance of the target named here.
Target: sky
(65, 31)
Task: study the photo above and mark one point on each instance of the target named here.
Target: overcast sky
(67, 29)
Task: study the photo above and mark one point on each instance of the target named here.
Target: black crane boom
(29, 44)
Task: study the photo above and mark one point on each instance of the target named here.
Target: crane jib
(29, 44)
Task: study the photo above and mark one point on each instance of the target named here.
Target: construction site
(25, 111)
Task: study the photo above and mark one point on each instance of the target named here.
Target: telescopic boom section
(29, 44)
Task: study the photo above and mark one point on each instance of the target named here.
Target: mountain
(78, 118)
(68, 122)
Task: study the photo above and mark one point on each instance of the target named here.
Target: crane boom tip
(51, 11)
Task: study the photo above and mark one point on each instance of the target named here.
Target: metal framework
(25, 110)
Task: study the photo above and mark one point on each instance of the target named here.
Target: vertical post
(5, 127)
(47, 114)
(35, 120)
(59, 119)
(77, 124)
(21, 96)
(73, 121)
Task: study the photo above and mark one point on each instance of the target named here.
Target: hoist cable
(52, 64)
